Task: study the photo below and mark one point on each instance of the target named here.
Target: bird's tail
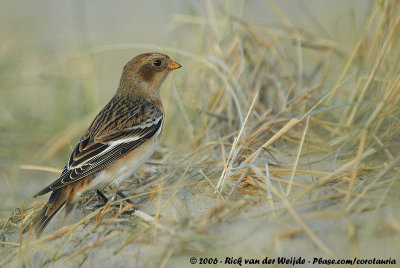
(56, 201)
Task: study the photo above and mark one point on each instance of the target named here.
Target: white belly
(122, 169)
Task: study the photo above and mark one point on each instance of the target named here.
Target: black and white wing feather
(120, 127)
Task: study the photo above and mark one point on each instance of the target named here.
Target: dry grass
(266, 120)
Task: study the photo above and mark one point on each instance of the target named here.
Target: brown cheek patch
(147, 73)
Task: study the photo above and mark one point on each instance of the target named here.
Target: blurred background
(60, 62)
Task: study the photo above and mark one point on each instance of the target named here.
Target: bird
(120, 139)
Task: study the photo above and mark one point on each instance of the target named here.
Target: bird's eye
(157, 63)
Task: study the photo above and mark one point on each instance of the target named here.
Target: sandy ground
(194, 223)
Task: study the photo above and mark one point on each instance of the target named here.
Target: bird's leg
(123, 196)
(102, 196)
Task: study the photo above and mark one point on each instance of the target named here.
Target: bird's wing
(118, 129)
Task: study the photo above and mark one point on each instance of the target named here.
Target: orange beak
(173, 65)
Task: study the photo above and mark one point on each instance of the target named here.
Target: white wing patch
(112, 144)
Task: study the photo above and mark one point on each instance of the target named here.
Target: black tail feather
(43, 217)
(43, 221)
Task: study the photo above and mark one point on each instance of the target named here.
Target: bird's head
(145, 73)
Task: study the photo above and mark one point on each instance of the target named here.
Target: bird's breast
(124, 167)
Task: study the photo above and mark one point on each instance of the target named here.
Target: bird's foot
(129, 211)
